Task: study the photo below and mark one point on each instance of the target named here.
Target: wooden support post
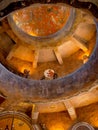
(35, 60)
(71, 110)
(58, 56)
(81, 43)
(35, 114)
(11, 54)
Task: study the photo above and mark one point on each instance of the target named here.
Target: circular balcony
(42, 25)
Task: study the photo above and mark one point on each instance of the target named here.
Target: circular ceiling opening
(82, 126)
(41, 20)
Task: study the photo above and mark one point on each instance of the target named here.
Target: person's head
(49, 73)
(26, 71)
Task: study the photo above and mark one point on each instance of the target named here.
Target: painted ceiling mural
(8, 6)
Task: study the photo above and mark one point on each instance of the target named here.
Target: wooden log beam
(11, 54)
(81, 43)
(34, 114)
(71, 110)
(35, 60)
(58, 56)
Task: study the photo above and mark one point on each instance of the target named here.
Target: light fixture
(26, 73)
(85, 59)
